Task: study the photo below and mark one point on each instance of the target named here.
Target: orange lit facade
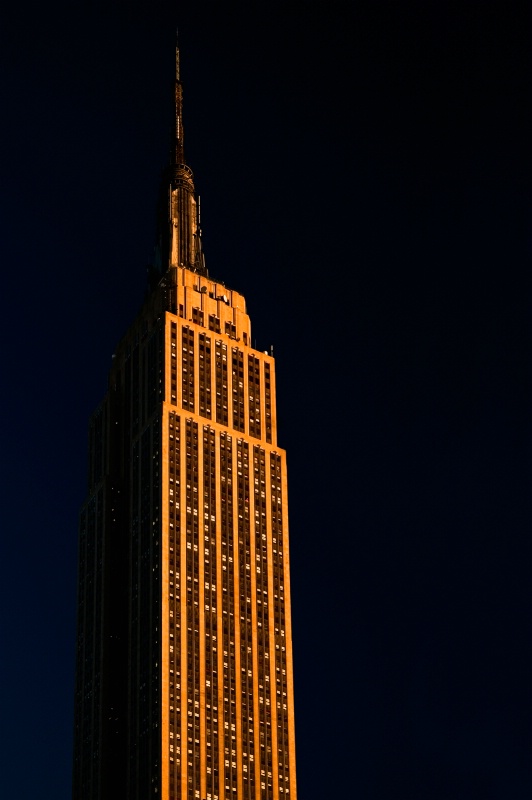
(184, 658)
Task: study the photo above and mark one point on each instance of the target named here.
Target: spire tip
(177, 54)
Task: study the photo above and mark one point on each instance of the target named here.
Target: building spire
(178, 154)
(179, 235)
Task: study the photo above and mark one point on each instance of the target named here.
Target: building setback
(184, 654)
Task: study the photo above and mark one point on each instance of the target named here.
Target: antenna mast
(179, 155)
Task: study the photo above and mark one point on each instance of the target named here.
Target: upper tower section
(178, 224)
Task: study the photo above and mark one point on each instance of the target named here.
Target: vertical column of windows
(214, 323)
(254, 396)
(89, 647)
(82, 679)
(98, 618)
(127, 421)
(134, 615)
(155, 605)
(193, 643)
(147, 643)
(144, 382)
(174, 594)
(237, 369)
(205, 375)
(144, 609)
(96, 555)
(279, 625)
(187, 365)
(173, 363)
(211, 632)
(228, 632)
(97, 447)
(135, 390)
(268, 402)
(143, 389)
(246, 626)
(221, 382)
(160, 362)
(154, 370)
(198, 317)
(262, 633)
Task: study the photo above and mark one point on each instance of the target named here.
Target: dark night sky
(365, 177)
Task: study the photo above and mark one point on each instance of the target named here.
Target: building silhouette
(184, 656)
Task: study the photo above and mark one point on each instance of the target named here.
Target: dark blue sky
(365, 177)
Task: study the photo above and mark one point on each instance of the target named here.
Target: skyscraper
(184, 656)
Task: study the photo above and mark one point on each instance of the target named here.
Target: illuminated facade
(184, 655)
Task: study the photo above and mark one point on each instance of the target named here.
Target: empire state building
(184, 683)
